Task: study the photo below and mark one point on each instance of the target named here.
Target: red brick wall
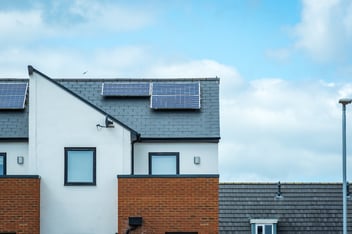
(20, 204)
(176, 204)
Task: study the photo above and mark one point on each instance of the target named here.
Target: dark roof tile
(304, 208)
(14, 123)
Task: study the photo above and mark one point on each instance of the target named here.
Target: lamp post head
(345, 101)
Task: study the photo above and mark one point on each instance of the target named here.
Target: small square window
(164, 163)
(80, 166)
(2, 164)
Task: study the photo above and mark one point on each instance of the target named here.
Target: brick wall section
(175, 204)
(20, 204)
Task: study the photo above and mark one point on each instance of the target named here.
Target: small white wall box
(196, 160)
(20, 160)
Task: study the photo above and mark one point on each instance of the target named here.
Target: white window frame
(264, 228)
(255, 223)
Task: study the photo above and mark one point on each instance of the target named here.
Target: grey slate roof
(304, 208)
(14, 123)
(137, 114)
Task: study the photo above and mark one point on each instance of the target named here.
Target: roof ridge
(136, 79)
(274, 183)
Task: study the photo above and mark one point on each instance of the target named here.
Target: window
(2, 164)
(80, 166)
(264, 229)
(164, 163)
(264, 226)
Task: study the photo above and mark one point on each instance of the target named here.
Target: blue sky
(283, 66)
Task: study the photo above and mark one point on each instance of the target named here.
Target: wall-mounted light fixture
(108, 123)
(20, 160)
(196, 160)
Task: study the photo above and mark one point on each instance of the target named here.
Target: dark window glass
(268, 229)
(2, 164)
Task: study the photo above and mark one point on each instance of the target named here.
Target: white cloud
(110, 16)
(278, 54)
(346, 91)
(65, 62)
(18, 26)
(279, 130)
(67, 19)
(325, 29)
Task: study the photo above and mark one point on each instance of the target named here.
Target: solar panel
(115, 89)
(161, 88)
(13, 95)
(175, 102)
(175, 95)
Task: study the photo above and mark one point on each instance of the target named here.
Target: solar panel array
(175, 95)
(164, 95)
(114, 89)
(13, 95)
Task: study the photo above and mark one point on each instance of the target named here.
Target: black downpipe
(138, 138)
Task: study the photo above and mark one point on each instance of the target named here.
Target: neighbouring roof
(14, 123)
(155, 124)
(303, 207)
(135, 113)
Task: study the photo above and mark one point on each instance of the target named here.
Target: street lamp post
(344, 102)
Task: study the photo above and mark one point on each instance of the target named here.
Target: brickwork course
(169, 204)
(20, 205)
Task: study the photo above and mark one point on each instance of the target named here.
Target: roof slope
(14, 123)
(137, 114)
(304, 208)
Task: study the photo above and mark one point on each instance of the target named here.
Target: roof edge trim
(19, 177)
(32, 70)
(180, 139)
(13, 139)
(170, 176)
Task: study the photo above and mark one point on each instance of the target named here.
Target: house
(108, 155)
(270, 208)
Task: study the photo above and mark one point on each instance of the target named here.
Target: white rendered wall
(208, 153)
(13, 150)
(58, 120)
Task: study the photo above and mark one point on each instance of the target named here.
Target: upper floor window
(164, 163)
(80, 166)
(2, 164)
(264, 226)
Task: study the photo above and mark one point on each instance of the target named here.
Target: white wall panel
(58, 120)
(208, 153)
(13, 150)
